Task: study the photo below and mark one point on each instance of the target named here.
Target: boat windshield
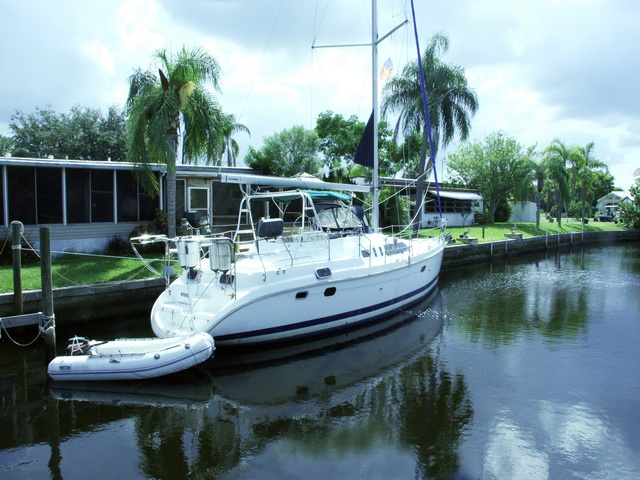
(337, 217)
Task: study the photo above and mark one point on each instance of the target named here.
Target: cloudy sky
(542, 69)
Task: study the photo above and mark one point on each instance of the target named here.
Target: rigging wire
(264, 53)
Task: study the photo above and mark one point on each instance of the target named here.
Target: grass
(69, 270)
(496, 231)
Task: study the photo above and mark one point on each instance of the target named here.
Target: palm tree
(450, 100)
(557, 156)
(172, 106)
(540, 174)
(230, 147)
(585, 171)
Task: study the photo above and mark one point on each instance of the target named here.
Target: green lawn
(496, 231)
(69, 270)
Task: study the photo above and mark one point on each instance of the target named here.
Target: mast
(374, 100)
(375, 180)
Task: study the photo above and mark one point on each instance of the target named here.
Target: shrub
(119, 247)
(630, 211)
(482, 218)
(503, 212)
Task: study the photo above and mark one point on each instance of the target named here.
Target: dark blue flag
(364, 153)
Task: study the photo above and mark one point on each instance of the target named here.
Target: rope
(14, 340)
(146, 265)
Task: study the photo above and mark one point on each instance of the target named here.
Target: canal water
(526, 368)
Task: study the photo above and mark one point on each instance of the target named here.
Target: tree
(169, 106)
(496, 167)
(540, 174)
(556, 157)
(82, 134)
(585, 172)
(630, 211)
(451, 103)
(6, 144)
(230, 146)
(287, 153)
(339, 139)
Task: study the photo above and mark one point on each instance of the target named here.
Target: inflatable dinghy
(130, 359)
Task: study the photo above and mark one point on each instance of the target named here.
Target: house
(87, 203)
(523, 212)
(458, 205)
(610, 203)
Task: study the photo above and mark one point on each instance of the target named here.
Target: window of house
(127, 197)
(21, 194)
(102, 195)
(3, 220)
(199, 200)
(147, 205)
(78, 182)
(49, 195)
(181, 196)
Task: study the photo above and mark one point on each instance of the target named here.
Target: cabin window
(395, 248)
(329, 292)
(300, 295)
(323, 272)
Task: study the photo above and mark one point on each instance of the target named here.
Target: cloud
(543, 69)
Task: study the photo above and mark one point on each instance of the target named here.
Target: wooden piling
(48, 319)
(16, 254)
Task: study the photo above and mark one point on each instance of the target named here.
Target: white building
(610, 203)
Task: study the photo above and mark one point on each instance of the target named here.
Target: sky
(542, 69)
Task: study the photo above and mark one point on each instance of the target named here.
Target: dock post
(48, 323)
(16, 255)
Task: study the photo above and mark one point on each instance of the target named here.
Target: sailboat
(301, 262)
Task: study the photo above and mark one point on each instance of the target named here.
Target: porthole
(423, 268)
(302, 294)
(330, 291)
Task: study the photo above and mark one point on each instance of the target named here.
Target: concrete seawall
(456, 255)
(108, 302)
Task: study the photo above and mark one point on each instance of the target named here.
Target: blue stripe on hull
(254, 335)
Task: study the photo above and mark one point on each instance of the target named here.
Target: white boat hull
(281, 303)
(133, 359)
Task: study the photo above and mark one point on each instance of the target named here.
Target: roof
(619, 194)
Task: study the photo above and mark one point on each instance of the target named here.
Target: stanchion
(48, 324)
(16, 254)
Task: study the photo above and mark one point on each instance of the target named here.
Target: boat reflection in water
(374, 394)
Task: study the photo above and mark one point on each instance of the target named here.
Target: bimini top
(316, 196)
